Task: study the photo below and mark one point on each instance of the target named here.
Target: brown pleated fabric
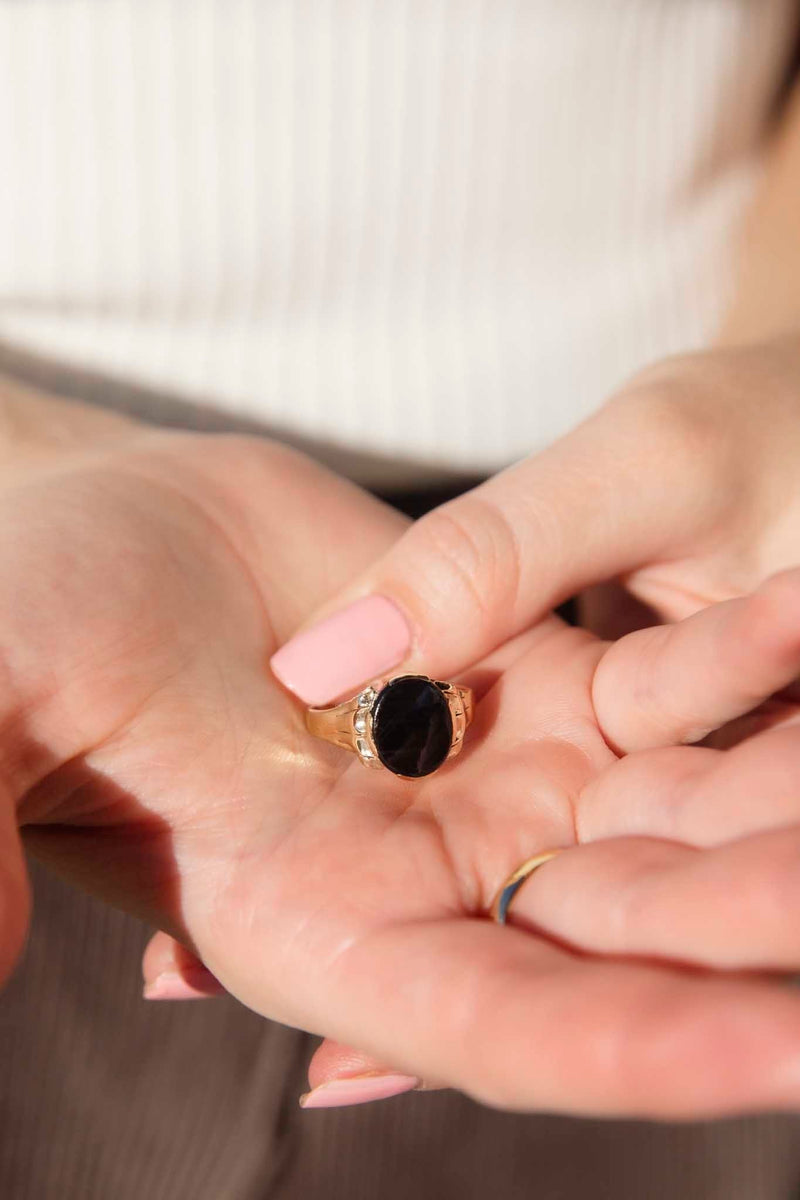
(106, 1097)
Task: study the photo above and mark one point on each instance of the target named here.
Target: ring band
(502, 901)
(409, 725)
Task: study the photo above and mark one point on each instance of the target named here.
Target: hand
(685, 486)
(144, 578)
(134, 564)
(621, 892)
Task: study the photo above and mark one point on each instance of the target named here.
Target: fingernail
(358, 1089)
(194, 985)
(345, 650)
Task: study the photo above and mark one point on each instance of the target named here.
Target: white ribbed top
(439, 229)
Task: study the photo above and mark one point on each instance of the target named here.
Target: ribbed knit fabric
(437, 229)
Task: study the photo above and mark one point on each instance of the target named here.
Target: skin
(681, 492)
(149, 755)
(683, 487)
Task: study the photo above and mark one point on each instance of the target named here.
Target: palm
(213, 804)
(321, 894)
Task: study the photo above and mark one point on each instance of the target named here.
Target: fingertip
(342, 651)
(358, 1089)
(172, 972)
(772, 615)
(197, 984)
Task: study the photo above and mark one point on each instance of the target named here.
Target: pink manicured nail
(197, 985)
(358, 1089)
(345, 650)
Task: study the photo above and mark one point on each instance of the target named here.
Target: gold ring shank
(334, 724)
(502, 901)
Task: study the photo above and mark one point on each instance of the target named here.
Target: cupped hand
(144, 580)
(683, 490)
(685, 854)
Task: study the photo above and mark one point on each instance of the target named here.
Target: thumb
(621, 490)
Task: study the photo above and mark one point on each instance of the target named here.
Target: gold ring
(408, 725)
(502, 901)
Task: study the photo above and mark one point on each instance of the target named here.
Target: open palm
(144, 583)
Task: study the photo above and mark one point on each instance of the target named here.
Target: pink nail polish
(358, 1089)
(169, 985)
(338, 654)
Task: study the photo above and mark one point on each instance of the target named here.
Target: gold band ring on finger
(409, 725)
(502, 901)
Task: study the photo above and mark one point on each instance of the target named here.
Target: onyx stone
(412, 728)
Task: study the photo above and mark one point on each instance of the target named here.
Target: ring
(502, 901)
(408, 725)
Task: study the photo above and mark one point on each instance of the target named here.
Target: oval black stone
(411, 726)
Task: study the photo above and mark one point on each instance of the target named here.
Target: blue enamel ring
(502, 901)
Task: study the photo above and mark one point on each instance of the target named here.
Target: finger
(733, 907)
(695, 794)
(331, 1060)
(341, 1075)
(676, 683)
(476, 571)
(171, 972)
(521, 1023)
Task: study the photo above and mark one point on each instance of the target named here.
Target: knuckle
(662, 414)
(775, 898)
(776, 595)
(675, 405)
(659, 1045)
(635, 668)
(680, 416)
(476, 553)
(653, 1035)
(769, 640)
(478, 1006)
